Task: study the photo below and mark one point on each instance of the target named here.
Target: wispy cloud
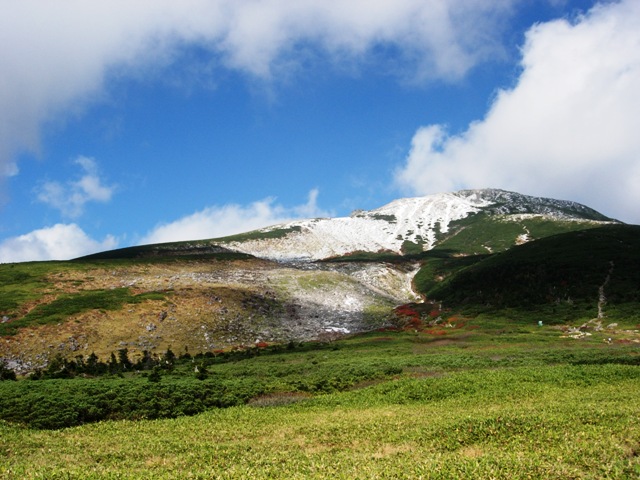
(56, 59)
(220, 221)
(70, 198)
(59, 242)
(567, 129)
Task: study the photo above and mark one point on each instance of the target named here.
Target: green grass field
(487, 398)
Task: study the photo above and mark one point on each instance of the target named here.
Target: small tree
(91, 365)
(123, 359)
(58, 367)
(147, 362)
(5, 372)
(94, 366)
(186, 355)
(154, 375)
(168, 359)
(81, 366)
(201, 371)
(113, 365)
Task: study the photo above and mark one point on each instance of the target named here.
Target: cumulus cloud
(60, 242)
(567, 129)
(220, 221)
(57, 56)
(70, 198)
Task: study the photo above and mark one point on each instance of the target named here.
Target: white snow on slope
(418, 220)
(383, 229)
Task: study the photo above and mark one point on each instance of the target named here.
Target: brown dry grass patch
(278, 399)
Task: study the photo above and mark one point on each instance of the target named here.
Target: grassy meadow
(481, 398)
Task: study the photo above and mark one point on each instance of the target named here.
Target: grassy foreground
(517, 402)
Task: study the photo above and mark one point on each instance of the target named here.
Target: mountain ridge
(418, 223)
(403, 226)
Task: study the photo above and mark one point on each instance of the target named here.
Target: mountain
(487, 220)
(464, 222)
(302, 280)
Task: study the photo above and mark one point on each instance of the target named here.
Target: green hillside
(191, 248)
(163, 251)
(486, 233)
(559, 276)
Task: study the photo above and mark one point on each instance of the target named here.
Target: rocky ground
(210, 305)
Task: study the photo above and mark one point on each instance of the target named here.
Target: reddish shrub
(435, 331)
(411, 315)
(388, 329)
(414, 322)
(406, 311)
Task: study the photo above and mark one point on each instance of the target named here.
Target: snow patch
(417, 220)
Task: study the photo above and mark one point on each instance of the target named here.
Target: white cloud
(71, 198)
(60, 242)
(568, 129)
(220, 221)
(57, 56)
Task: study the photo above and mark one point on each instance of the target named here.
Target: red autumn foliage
(388, 329)
(414, 323)
(435, 331)
(411, 315)
(406, 311)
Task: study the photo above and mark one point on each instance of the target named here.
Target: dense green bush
(83, 390)
(73, 392)
(52, 404)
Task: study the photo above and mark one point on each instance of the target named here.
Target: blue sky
(136, 122)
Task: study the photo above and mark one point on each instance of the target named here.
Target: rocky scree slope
(198, 305)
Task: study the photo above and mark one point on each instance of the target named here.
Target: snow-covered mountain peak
(503, 202)
(418, 220)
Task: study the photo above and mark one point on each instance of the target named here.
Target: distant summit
(463, 222)
(411, 224)
(502, 202)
